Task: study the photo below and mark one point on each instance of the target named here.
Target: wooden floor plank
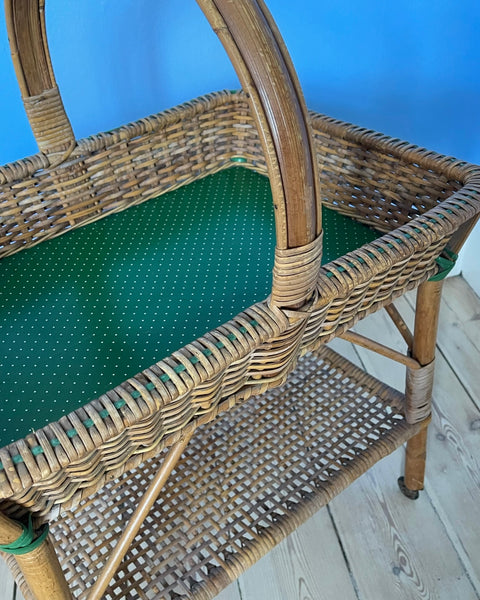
(453, 467)
(7, 587)
(397, 549)
(230, 593)
(307, 565)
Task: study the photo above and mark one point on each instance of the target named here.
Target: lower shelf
(245, 482)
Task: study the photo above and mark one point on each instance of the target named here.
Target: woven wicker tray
(250, 477)
(244, 483)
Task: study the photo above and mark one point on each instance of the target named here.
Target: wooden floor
(371, 543)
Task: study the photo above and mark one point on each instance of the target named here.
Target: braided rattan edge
(401, 150)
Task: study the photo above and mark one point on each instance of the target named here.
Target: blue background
(409, 68)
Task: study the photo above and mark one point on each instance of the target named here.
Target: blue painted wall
(409, 68)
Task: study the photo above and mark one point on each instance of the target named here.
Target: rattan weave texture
(419, 198)
(243, 484)
(424, 204)
(83, 312)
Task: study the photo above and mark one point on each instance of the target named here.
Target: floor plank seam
(472, 398)
(344, 554)
(455, 541)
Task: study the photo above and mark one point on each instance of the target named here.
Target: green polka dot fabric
(83, 312)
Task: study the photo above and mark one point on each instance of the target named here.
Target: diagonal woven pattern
(245, 482)
(254, 474)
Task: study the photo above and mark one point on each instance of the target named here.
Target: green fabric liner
(445, 264)
(26, 542)
(85, 311)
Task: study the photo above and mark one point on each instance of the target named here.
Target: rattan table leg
(425, 335)
(140, 514)
(43, 573)
(40, 567)
(415, 461)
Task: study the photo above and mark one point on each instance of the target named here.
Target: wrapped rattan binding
(295, 273)
(50, 125)
(419, 386)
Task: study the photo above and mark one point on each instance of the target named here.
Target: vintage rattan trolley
(141, 456)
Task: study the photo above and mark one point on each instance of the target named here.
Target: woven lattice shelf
(248, 479)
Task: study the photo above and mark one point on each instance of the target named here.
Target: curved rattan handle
(31, 58)
(258, 54)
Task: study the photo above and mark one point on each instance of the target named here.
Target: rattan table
(170, 410)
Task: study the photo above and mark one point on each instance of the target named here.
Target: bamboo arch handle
(31, 58)
(258, 54)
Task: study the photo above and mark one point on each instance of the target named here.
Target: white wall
(470, 265)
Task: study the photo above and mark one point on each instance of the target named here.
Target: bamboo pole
(400, 324)
(423, 350)
(267, 75)
(30, 55)
(361, 340)
(138, 517)
(40, 567)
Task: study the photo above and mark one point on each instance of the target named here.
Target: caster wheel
(411, 494)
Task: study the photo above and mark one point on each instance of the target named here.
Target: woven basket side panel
(328, 320)
(267, 366)
(348, 289)
(375, 188)
(130, 170)
(342, 300)
(118, 169)
(363, 183)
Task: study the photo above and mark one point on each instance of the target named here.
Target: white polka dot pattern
(83, 312)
